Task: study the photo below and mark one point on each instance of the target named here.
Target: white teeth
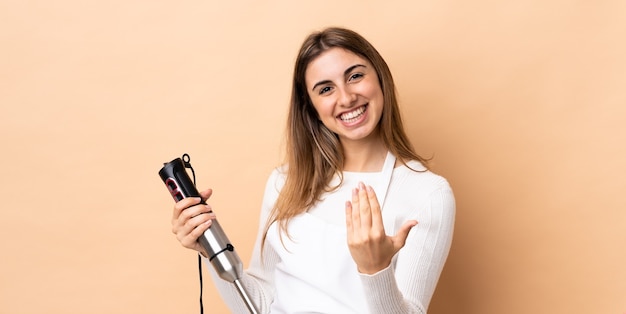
(352, 115)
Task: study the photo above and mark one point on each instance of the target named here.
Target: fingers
(191, 224)
(191, 217)
(189, 207)
(195, 227)
(185, 203)
(400, 238)
(369, 245)
(365, 209)
(363, 217)
(356, 210)
(375, 212)
(206, 194)
(349, 226)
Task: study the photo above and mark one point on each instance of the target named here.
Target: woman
(339, 228)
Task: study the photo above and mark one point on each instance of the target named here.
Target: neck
(364, 156)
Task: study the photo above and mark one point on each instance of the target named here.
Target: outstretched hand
(370, 247)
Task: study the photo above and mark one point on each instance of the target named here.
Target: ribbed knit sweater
(312, 271)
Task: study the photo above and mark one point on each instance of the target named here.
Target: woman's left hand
(370, 247)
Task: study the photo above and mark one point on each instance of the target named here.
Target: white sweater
(312, 270)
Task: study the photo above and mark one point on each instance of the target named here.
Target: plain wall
(522, 106)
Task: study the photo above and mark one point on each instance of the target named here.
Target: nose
(347, 97)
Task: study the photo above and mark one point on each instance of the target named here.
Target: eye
(355, 76)
(324, 90)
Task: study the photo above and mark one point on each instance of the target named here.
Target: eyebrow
(348, 70)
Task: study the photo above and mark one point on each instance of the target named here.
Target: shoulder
(414, 184)
(415, 175)
(277, 177)
(275, 181)
(418, 193)
(273, 185)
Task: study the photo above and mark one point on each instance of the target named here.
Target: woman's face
(346, 94)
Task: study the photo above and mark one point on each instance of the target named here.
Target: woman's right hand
(190, 219)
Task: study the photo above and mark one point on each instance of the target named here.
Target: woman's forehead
(332, 64)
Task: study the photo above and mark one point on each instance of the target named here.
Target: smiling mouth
(353, 115)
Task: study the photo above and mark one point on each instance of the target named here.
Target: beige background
(522, 105)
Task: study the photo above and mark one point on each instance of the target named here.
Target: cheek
(374, 90)
(370, 86)
(323, 108)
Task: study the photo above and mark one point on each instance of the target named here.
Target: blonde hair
(313, 152)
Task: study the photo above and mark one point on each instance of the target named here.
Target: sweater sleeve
(257, 279)
(408, 284)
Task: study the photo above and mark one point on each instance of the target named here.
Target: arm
(408, 282)
(257, 280)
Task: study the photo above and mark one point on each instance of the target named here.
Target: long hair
(313, 152)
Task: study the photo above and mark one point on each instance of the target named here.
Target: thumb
(206, 194)
(400, 238)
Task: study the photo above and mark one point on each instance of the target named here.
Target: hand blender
(220, 252)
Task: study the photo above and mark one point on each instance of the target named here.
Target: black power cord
(186, 162)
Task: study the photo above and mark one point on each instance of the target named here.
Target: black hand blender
(221, 253)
